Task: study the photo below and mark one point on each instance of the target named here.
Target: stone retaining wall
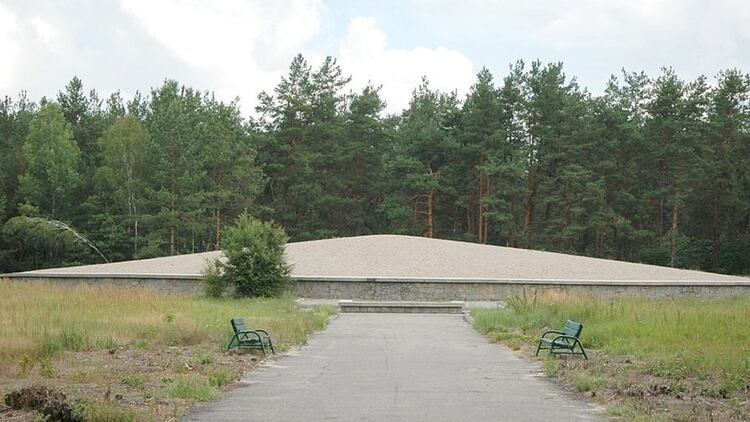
(491, 291)
(193, 285)
(426, 289)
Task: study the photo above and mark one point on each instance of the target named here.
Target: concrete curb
(331, 318)
(40, 276)
(468, 318)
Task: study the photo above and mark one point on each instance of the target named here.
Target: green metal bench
(564, 342)
(245, 338)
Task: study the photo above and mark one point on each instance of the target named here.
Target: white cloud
(8, 47)
(240, 47)
(45, 32)
(365, 55)
(245, 46)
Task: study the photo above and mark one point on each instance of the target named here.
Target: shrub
(214, 283)
(255, 262)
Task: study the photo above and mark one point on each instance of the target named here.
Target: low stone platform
(401, 307)
(407, 268)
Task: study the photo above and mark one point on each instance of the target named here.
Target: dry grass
(146, 347)
(686, 355)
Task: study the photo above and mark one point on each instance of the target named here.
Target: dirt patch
(627, 388)
(124, 383)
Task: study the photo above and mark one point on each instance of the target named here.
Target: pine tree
(426, 138)
(723, 152)
(480, 122)
(175, 188)
(228, 152)
(367, 140)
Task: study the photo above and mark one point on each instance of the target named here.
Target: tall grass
(673, 338)
(38, 319)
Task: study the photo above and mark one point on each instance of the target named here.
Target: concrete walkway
(396, 367)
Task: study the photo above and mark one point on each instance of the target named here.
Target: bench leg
(583, 352)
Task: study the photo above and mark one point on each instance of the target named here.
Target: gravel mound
(392, 256)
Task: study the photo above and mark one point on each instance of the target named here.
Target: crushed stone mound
(396, 256)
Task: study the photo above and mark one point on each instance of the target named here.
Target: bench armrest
(262, 331)
(552, 332)
(247, 332)
(564, 337)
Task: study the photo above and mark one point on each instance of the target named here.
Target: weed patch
(193, 387)
(221, 377)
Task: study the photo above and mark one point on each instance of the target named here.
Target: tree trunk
(715, 233)
(480, 205)
(135, 231)
(218, 229)
(172, 228)
(480, 209)
(659, 217)
(488, 191)
(173, 203)
(431, 214)
(528, 220)
(673, 254)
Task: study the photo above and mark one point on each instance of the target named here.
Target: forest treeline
(655, 169)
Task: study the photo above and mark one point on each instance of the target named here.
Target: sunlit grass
(38, 319)
(674, 338)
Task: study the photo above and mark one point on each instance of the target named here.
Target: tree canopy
(655, 169)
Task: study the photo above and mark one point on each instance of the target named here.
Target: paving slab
(397, 367)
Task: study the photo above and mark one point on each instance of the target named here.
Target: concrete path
(396, 367)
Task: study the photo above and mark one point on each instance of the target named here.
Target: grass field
(136, 354)
(677, 359)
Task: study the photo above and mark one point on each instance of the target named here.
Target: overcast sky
(239, 48)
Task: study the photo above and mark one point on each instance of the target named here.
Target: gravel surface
(391, 256)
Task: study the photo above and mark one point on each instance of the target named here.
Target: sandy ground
(391, 256)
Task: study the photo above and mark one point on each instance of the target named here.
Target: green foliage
(51, 157)
(120, 185)
(214, 283)
(255, 262)
(36, 242)
(654, 169)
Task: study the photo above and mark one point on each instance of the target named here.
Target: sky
(239, 48)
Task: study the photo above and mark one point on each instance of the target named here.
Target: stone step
(453, 307)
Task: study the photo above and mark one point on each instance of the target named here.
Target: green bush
(255, 263)
(214, 284)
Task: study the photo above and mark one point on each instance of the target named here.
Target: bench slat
(238, 324)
